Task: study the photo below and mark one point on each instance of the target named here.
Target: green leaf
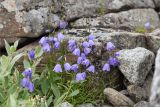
(26, 64)
(12, 49)
(16, 44)
(45, 86)
(38, 52)
(58, 101)
(49, 101)
(74, 93)
(7, 46)
(55, 90)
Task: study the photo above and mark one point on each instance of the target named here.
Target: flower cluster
(47, 42)
(82, 52)
(26, 81)
(113, 61)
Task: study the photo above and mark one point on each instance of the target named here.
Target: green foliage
(140, 29)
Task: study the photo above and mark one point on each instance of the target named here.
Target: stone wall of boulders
(108, 20)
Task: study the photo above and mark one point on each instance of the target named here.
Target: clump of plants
(76, 81)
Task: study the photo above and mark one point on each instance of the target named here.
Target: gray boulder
(135, 64)
(123, 20)
(66, 104)
(155, 90)
(142, 104)
(136, 93)
(117, 99)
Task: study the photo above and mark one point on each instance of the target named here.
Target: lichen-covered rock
(135, 64)
(66, 104)
(136, 93)
(142, 104)
(153, 40)
(86, 105)
(122, 20)
(121, 39)
(85, 8)
(117, 99)
(155, 92)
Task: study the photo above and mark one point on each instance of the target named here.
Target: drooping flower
(57, 68)
(43, 40)
(57, 45)
(87, 51)
(31, 87)
(116, 54)
(77, 52)
(113, 62)
(26, 83)
(106, 67)
(110, 46)
(83, 56)
(85, 44)
(27, 73)
(60, 37)
(91, 68)
(91, 37)
(72, 45)
(74, 67)
(80, 76)
(79, 60)
(86, 62)
(67, 66)
(52, 39)
(91, 43)
(147, 25)
(31, 54)
(62, 24)
(47, 48)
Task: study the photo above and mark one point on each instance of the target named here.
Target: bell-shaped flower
(74, 67)
(67, 66)
(91, 68)
(31, 54)
(80, 76)
(86, 62)
(60, 37)
(113, 61)
(77, 52)
(106, 67)
(110, 46)
(57, 68)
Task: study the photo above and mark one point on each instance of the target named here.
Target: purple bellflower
(85, 44)
(106, 67)
(80, 76)
(27, 84)
(57, 68)
(113, 62)
(74, 67)
(87, 51)
(91, 68)
(67, 66)
(27, 73)
(60, 37)
(86, 62)
(91, 37)
(47, 48)
(147, 25)
(110, 46)
(77, 52)
(31, 54)
(62, 24)
(57, 45)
